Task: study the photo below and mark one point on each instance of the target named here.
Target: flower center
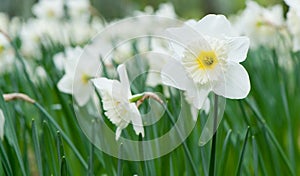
(50, 13)
(207, 60)
(85, 78)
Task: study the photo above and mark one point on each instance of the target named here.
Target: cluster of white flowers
(268, 27)
(62, 22)
(261, 24)
(207, 59)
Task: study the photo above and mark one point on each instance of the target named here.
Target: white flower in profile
(118, 108)
(79, 69)
(293, 22)
(49, 9)
(209, 61)
(2, 121)
(261, 25)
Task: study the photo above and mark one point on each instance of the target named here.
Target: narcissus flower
(2, 121)
(262, 25)
(79, 69)
(208, 61)
(293, 22)
(116, 96)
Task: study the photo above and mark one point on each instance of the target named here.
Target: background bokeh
(112, 9)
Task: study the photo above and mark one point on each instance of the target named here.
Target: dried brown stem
(15, 96)
(148, 95)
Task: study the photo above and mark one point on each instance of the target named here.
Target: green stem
(120, 161)
(66, 138)
(214, 139)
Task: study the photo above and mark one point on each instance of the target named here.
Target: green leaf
(36, 146)
(5, 161)
(11, 134)
(238, 171)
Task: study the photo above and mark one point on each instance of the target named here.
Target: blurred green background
(112, 9)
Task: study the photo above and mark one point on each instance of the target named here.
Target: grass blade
(225, 151)
(37, 148)
(5, 161)
(63, 167)
(238, 171)
(66, 138)
(271, 134)
(255, 156)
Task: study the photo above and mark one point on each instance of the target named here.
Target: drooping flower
(293, 22)
(79, 69)
(2, 121)
(118, 108)
(261, 25)
(208, 61)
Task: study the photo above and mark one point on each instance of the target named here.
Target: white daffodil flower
(2, 121)
(49, 9)
(79, 69)
(118, 108)
(293, 22)
(209, 61)
(261, 25)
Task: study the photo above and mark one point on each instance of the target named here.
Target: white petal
(194, 112)
(184, 35)
(2, 121)
(89, 63)
(197, 95)
(238, 48)
(65, 84)
(103, 83)
(174, 75)
(236, 83)
(124, 79)
(136, 120)
(118, 133)
(70, 65)
(215, 26)
(82, 93)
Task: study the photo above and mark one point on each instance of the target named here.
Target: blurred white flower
(40, 31)
(157, 58)
(116, 97)
(293, 22)
(4, 43)
(209, 61)
(4, 22)
(49, 9)
(69, 54)
(261, 25)
(79, 69)
(166, 10)
(2, 121)
(7, 57)
(79, 31)
(125, 51)
(78, 8)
